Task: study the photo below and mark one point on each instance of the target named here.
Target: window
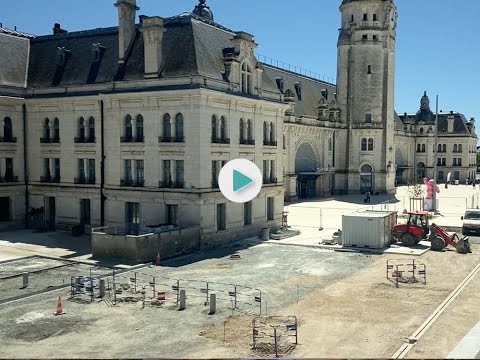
(139, 135)
(459, 161)
(455, 148)
(352, 18)
(272, 171)
(214, 175)
(368, 118)
(56, 131)
(272, 134)
(364, 144)
(444, 148)
(441, 175)
(439, 162)
(365, 37)
(214, 129)
(139, 172)
(247, 213)
(56, 167)
(460, 148)
(374, 17)
(242, 130)
(179, 173)
(369, 69)
(270, 209)
(179, 128)
(454, 161)
(246, 78)
(46, 129)
(424, 148)
(172, 215)
(265, 133)
(127, 170)
(444, 162)
(249, 130)
(167, 175)
(370, 144)
(167, 130)
(375, 37)
(221, 217)
(91, 129)
(223, 128)
(81, 129)
(128, 132)
(81, 171)
(439, 148)
(46, 169)
(365, 17)
(91, 171)
(7, 129)
(132, 218)
(419, 149)
(329, 144)
(9, 169)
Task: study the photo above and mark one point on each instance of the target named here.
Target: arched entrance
(306, 170)
(420, 170)
(366, 179)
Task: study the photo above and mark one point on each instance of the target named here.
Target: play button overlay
(240, 181)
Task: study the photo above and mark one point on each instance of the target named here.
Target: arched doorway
(366, 179)
(420, 171)
(306, 170)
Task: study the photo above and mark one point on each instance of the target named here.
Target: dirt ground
(345, 308)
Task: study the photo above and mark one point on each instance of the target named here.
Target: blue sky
(437, 44)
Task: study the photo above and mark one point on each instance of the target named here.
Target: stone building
(129, 126)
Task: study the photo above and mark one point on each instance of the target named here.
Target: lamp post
(435, 150)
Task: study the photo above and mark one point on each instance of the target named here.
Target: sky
(437, 46)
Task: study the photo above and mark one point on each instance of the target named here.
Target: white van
(471, 222)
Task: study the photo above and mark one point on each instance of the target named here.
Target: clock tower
(365, 95)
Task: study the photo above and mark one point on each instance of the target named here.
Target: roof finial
(203, 10)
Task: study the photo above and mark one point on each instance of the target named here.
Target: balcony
(270, 181)
(9, 139)
(169, 139)
(9, 179)
(171, 185)
(84, 140)
(132, 183)
(131, 139)
(50, 179)
(247, 142)
(49, 140)
(269, 143)
(85, 180)
(220, 141)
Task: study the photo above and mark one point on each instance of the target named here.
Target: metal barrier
(276, 335)
(405, 271)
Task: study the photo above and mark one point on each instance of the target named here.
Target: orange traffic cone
(59, 307)
(157, 260)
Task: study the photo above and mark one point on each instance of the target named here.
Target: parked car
(471, 222)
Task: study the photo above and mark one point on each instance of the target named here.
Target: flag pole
(435, 161)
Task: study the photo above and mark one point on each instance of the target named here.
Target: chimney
(57, 29)
(450, 122)
(152, 29)
(126, 26)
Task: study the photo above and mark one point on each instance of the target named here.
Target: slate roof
(14, 58)
(461, 125)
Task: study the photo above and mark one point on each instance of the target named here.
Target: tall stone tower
(365, 95)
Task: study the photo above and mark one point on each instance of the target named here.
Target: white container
(367, 230)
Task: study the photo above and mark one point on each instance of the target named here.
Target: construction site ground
(344, 304)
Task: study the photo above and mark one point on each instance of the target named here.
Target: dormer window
(280, 83)
(97, 50)
(298, 89)
(246, 78)
(62, 56)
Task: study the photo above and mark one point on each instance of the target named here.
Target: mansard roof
(13, 60)
(461, 125)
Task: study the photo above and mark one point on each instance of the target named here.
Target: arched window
(439, 148)
(460, 148)
(419, 148)
(272, 133)
(128, 128)
(364, 144)
(249, 131)
(370, 144)
(179, 128)
(423, 148)
(81, 129)
(329, 144)
(246, 78)
(56, 130)
(444, 148)
(167, 129)
(7, 129)
(91, 129)
(139, 128)
(265, 133)
(242, 131)
(455, 149)
(223, 128)
(214, 129)
(46, 129)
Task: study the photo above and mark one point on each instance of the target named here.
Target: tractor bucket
(463, 246)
